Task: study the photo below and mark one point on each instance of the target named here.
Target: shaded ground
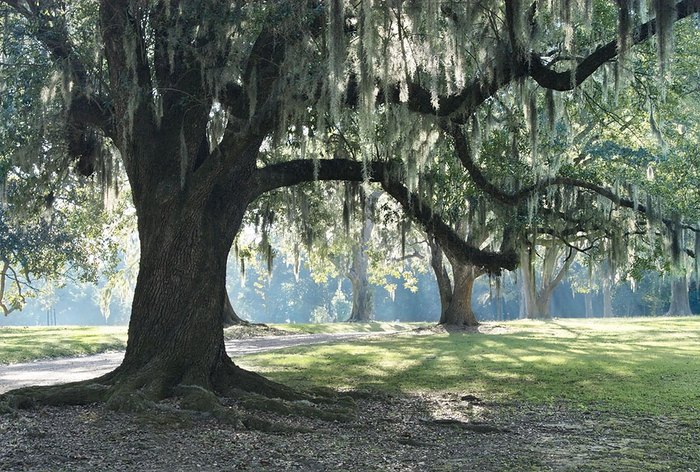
(391, 433)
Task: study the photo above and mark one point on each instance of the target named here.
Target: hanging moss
(665, 11)
(269, 257)
(624, 28)
(336, 55)
(676, 241)
(551, 109)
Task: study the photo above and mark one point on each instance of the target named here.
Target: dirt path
(71, 369)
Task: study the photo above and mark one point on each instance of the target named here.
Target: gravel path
(72, 369)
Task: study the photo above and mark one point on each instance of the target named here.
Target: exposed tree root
(457, 327)
(305, 408)
(149, 394)
(75, 393)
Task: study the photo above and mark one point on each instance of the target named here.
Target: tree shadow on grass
(647, 376)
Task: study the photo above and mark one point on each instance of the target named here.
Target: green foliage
(51, 220)
(64, 240)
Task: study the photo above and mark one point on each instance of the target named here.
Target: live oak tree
(537, 291)
(185, 95)
(470, 215)
(649, 144)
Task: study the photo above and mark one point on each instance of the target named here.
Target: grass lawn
(27, 344)
(644, 366)
(31, 343)
(325, 328)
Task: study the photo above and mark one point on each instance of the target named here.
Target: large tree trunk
(455, 299)
(175, 332)
(680, 301)
(459, 312)
(175, 327)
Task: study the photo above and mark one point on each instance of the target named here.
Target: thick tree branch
(120, 37)
(512, 68)
(515, 198)
(389, 175)
(569, 79)
(287, 174)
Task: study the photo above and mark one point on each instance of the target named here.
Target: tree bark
(362, 305)
(536, 302)
(680, 301)
(175, 334)
(607, 299)
(361, 291)
(588, 299)
(229, 316)
(455, 299)
(460, 312)
(529, 307)
(441, 276)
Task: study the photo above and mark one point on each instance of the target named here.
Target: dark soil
(449, 432)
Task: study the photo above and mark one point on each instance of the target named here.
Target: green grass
(27, 344)
(649, 366)
(326, 328)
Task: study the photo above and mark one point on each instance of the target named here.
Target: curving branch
(515, 198)
(569, 79)
(448, 239)
(512, 68)
(389, 175)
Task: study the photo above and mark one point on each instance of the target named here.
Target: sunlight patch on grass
(641, 365)
(30, 343)
(326, 328)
